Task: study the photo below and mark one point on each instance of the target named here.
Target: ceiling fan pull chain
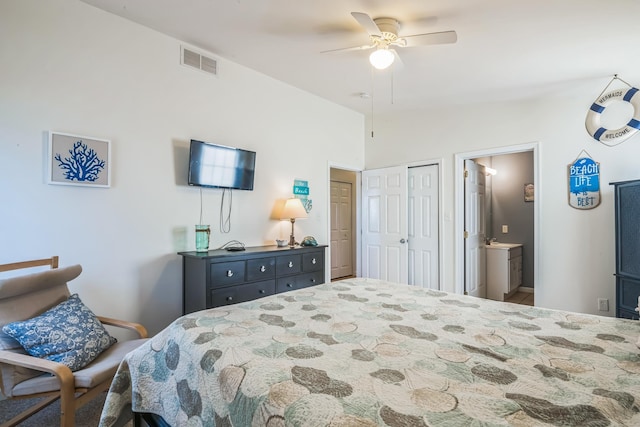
(372, 93)
(393, 80)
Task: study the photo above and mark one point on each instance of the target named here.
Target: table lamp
(293, 209)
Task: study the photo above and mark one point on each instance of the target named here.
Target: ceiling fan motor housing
(388, 27)
(388, 33)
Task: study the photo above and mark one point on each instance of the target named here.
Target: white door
(423, 226)
(474, 230)
(384, 224)
(341, 230)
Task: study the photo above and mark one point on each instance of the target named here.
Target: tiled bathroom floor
(525, 298)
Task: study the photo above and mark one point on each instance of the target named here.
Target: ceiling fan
(383, 33)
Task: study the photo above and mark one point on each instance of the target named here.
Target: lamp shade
(293, 209)
(381, 58)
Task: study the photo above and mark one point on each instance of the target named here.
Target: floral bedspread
(364, 352)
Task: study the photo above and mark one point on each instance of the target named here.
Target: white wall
(577, 253)
(69, 67)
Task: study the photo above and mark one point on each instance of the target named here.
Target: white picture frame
(529, 192)
(78, 160)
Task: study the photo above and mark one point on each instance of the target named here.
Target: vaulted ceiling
(505, 49)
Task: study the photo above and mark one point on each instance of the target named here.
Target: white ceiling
(506, 49)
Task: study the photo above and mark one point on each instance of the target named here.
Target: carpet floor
(87, 416)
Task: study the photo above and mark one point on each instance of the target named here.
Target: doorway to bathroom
(510, 217)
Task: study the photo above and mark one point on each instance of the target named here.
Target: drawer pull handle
(229, 273)
(229, 298)
(313, 261)
(262, 291)
(289, 285)
(290, 264)
(263, 268)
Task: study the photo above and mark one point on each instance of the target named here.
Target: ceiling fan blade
(367, 23)
(443, 37)
(349, 49)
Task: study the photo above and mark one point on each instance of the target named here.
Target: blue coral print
(82, 165)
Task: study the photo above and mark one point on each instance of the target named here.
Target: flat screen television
(219, 166)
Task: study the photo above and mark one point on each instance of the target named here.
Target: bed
(364, 352)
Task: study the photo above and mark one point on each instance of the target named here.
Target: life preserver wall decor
(614, 136)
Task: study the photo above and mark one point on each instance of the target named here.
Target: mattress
(364, 352)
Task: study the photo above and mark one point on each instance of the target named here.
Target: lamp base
(292, 240)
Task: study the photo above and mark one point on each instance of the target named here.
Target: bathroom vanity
(504, 269)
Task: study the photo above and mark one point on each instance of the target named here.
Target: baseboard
(528, 289)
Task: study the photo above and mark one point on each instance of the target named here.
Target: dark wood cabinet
(627, 211)
(219, 277)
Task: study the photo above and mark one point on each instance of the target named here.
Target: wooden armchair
(25, 376)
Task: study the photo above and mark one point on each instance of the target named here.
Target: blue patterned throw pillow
(68, 333)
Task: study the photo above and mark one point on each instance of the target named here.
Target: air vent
(193, 59)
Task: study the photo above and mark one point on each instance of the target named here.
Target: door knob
(403, 241)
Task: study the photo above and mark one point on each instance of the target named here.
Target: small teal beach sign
(584, 183)
(301, 191)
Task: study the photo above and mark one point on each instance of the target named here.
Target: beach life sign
(584, 183)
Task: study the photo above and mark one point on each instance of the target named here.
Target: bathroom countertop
(500, 245)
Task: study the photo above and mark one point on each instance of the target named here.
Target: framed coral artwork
(79, 160)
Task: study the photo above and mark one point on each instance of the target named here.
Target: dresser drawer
(288, 264)
(242, 293)
(626, 314)
(226, 273)
(312, 262)
(286, 284)
(261, 269)
(311, 279)
(628, 291)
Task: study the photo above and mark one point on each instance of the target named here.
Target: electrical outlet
(603, 304)
(505, 229)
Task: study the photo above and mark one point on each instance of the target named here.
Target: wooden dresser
(219, 277)
(627, 207)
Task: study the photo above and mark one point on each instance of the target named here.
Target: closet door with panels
(400, 231)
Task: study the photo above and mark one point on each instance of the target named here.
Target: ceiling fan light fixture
(381, 58)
